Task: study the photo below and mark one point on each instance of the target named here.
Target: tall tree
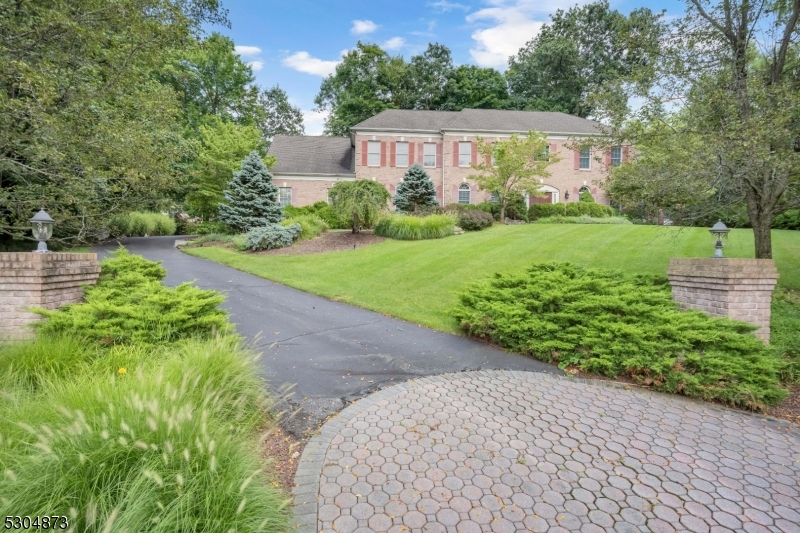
(578, 51)
(279, 116)
(735, 67)
(513, 166)
(213, 80)
(86, 130)
(430, 71)
(357, 90)
(471, 87)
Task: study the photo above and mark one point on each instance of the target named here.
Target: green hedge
(576, 209)
(136, 224)
(411, 228)
(537, 211)
(605, 322)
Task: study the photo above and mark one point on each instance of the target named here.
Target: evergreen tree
(415, 191)
(252, 198)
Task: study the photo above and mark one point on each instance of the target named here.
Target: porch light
(720, 232)
(42, 226)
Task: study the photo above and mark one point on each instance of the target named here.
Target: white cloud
(247, 50)
(256, 65)
(361, 27)
(514, 25)
(444, 5)
(314, 121)
(395, 43)
(303, 62)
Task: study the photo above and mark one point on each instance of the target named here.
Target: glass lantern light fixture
(720, 232)
(42, 226)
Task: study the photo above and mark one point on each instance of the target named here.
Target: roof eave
(459, 130)
(323, 174)
(395, 130)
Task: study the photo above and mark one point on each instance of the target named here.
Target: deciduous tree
(360, 201)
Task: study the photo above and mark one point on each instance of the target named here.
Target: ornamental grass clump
(311, 226)
(605, 322)
(411, 228)
(169, 447)
(139, 224)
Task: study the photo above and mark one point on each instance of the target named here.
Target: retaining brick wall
(740, 289)
(47, 280)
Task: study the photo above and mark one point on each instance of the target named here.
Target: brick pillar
(740, 289)
(47, 280)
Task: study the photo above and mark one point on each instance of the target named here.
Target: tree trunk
(356, 227)
(761, 219)
(503, 211)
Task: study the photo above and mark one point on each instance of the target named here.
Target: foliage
(311, 225)
(205, 228)
(411, 228)
(607, 323)
(426, 275)
(735, 139)
(88, 131)
(223, 146)
(580, 50)
(137, 224)
(513, 165)
(784, 340)
(360, 202)
(321, 209)
(32, 365)
(473, 87)
(130, 305)
(582, 219)
(368, 80)
(272, 236)
(156, 449)
(537, 211)
(576, 209)
(788, 220)
(251, 197)
(415, 191)
(474, 220)
(280, 117)
(586, 196)
(239, 241)
(515, 207)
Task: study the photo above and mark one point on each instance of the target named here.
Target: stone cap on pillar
(723, 268)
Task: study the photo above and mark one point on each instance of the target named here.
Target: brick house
(382, 148)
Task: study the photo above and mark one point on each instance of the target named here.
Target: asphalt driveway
(331, 352)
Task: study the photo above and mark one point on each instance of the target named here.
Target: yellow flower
(122, 370)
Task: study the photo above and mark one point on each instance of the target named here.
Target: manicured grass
(418, 280)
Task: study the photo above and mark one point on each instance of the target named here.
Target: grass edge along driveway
(419, 281)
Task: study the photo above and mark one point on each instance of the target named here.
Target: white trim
(552, 190)
(314, 177)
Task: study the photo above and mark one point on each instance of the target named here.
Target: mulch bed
(331, 241)
(788, 409)
(284, 451)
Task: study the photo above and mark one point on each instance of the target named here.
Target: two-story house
(444, 142)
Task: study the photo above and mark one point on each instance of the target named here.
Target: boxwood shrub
(605, 322)
(576, 209)
(474, 220)
(537, 211)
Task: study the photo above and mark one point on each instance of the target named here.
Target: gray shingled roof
(478, 120)
(407, 120)
(520, 121)
(312, 155)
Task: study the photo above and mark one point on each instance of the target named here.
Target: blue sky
(295, 43)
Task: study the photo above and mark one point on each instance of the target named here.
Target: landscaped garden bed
(138, 410)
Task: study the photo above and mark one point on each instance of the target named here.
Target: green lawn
(418, 280)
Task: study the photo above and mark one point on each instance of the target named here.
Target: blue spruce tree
(415, 191)
(251, 199)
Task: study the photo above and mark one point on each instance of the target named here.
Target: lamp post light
(719, 231)
(42, 229)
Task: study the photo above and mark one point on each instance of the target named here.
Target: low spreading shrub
(136, 224)
(412, 228)
(788, 220)
(311, 225)
(591, 209)
(130, 305)
(272, 236)
(168, 448)
(239, 241)
(605, 322)
(583, 219)
(537, 211)
(474, 220)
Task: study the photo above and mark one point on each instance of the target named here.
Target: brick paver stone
(502, 451)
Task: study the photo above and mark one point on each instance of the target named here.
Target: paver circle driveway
(506, 451)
